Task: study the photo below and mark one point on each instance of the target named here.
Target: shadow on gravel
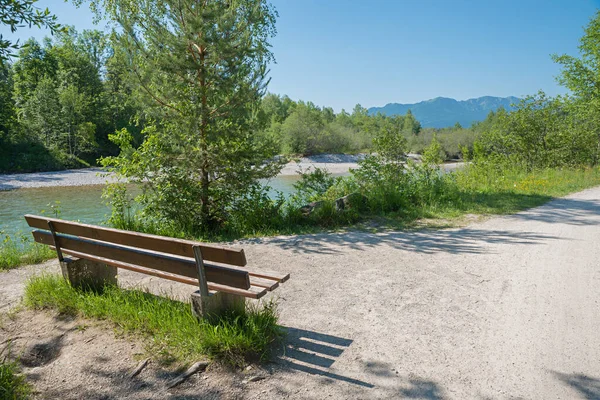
(314, 353)
(453, 241)
(116, 384)
(564, 211)
(422, 389)
(588, 387)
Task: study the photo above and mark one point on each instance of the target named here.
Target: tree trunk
(205, 172)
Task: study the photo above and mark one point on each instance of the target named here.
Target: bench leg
(215, 303)
(87, 274)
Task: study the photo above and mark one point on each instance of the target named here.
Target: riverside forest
(197, 148)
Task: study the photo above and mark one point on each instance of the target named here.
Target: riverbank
(337, 164)
(334, 163)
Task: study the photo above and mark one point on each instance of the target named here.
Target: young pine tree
(200, 67)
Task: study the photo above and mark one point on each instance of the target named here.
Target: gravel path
(504, 309)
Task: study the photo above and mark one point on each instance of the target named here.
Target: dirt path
(504, 309)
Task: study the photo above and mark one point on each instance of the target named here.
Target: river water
(79, 203)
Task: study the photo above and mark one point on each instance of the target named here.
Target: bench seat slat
(254, 292)
(161, 244)
(270, 275)
(235, 277)
(264, 283)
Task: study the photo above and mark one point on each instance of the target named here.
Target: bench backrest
(129, 250)
(161, 244)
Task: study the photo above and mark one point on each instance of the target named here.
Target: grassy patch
(12, 384)
(15, 253)
(170, 327)
(421, 198)
(489, 189)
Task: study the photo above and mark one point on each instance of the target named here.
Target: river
(82, 203)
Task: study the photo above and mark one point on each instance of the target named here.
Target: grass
(14, 254)
(424, 200)
(173, 333)
(493, 190)
(12, 384)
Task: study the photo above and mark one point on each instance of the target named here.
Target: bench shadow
(426, 241)
(586, 386)
(314, 353)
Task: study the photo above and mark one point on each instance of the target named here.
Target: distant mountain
(442, 111)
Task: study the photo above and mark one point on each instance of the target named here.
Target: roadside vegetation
(15, 252)
(13, 385)
(544, 148)
(172, 332)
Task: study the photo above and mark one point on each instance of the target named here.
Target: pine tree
(201, 70)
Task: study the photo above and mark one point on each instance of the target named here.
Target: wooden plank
(253, 292)
(277, 276)
(274, 276)
(264, 283)
(238, 278)
(161, 244)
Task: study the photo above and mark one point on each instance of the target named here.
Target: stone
(310, 207)
(86, 274)
(215, 303)
(356, 200)
(255, 378)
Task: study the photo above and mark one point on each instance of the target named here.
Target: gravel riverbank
(334, 163)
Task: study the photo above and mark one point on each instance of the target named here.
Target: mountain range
(442, 112)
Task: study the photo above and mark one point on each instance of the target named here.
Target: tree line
(60, 100)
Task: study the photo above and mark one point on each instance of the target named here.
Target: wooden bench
(97, 252)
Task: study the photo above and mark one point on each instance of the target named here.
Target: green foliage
(256, 212)
(20, 250)
(433, 154)
(13, 385)
(200, 69)
(546, 132)
(171, 330)
(60, 100)
(17, 13)
(312, 185)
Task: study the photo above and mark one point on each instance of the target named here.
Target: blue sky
(342, 52)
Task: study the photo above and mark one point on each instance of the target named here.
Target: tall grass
(21, 250)
(171, 330)
(12, 384)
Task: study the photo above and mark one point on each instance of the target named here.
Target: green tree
(201, 72)
(7, 104)
(411, 125)
(16, 13)
(433, 154)
(302, 131)
(41, 114)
